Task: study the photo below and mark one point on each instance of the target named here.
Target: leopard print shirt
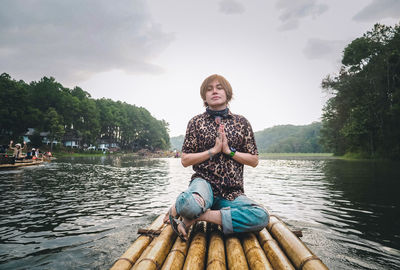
(223, 173)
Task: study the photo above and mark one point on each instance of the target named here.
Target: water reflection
(369, 201)
(84, 212)
(363, 209)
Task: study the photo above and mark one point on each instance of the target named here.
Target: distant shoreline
(297, 155)
(171, 154)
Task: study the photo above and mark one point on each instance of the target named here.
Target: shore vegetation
(59, 114)
(362, 117)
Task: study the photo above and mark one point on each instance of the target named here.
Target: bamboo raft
(275, 247)
(18, 164)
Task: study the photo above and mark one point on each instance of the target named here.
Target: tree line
(363, 114)
(48, 106)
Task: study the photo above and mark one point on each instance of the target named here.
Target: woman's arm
(194, 158)
(221, 145)
(189, 159)
(244, 158)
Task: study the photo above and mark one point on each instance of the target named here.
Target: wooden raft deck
(275, 247)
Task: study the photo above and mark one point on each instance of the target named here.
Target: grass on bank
(78, 154)
(298, 155)
(357, 156)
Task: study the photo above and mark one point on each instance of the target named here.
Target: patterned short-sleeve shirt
(223, 173)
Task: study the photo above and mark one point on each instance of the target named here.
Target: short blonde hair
(224, 82)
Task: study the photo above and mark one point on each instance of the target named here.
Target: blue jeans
(239, 215)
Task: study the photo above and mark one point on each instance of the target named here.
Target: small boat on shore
(21, 163)
(275, 247)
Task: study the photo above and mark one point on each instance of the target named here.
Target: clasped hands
(221, 142)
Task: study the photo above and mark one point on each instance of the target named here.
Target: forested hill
(176, 142)
(290, 139)
(280, 139)
(48, 106)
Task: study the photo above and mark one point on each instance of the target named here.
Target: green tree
(13, 102)
(53, 123)
(363, 114)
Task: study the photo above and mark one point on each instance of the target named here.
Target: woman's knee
(187, 206)
(249, 219)
(203, 189)
(263, 217)
(260, 217)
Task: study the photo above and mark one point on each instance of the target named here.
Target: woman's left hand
(225, 145)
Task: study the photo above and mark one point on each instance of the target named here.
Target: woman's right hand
(218, 141)
(217, 147)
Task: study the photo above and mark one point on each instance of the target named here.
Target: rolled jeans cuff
(226, 218)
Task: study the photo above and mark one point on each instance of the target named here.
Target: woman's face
(216, 96)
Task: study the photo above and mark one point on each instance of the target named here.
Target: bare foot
(188, 224)
(171, 211)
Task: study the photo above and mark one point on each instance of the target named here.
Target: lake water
(83, 213)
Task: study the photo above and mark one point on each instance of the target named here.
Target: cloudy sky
(156, 53)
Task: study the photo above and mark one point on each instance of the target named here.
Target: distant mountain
(290, 139)
(280, 139)
(176, 142)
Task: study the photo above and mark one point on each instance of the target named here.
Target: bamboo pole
(254, 253)
(144, 253)
(128, 259)
(235, 254)
(195, 258)
(275, 255)
(177, 255)
(157, 251)
(216, 250)
(299, 254)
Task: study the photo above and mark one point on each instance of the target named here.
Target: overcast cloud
(329, 50)
(231, 7)
(379, 9)
(293, 11)
(75, 39)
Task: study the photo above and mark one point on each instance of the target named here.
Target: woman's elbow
(184, 164)
(184, 161)
(255, 162)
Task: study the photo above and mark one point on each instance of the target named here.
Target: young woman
(217, 144)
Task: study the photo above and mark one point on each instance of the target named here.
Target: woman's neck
(218, 108)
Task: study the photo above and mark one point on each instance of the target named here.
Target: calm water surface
(83, 213)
